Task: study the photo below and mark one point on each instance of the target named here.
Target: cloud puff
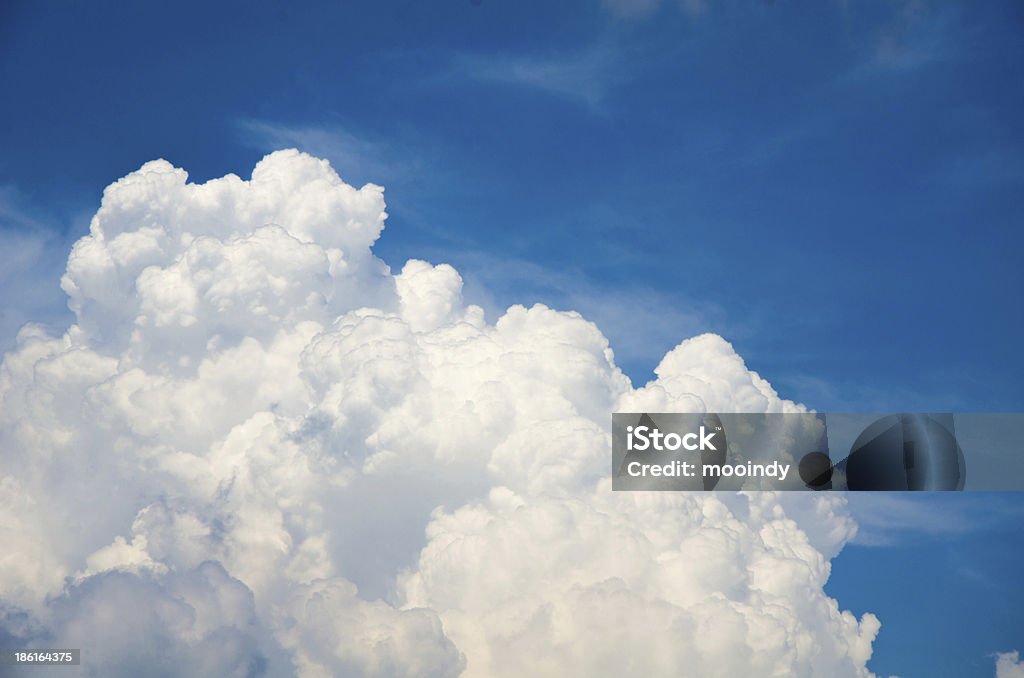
(259, 449)
(633, 584)
(1009, 665)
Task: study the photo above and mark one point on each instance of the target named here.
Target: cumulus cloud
(260, 451)
(1009, 665)
(633, 584)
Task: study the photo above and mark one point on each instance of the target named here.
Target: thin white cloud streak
(361, 159)
(419, 167)
(585, 76)
(643, 9)
(911, 38)
(916, 34)
(885, 519)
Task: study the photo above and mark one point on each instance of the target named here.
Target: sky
(834, 188)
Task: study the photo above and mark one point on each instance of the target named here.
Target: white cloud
(637, 9)
(201, 622)
(277, 456)
(359, 157)
(584, 76)
(884, 519)
(639, 321)
(1009, 665)
(633, 584)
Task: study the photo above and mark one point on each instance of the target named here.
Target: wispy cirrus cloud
(885, 519)
(913, 35)
(361, 159)
(419, 169)
(909, 39)
(638, 9)
(586, 76)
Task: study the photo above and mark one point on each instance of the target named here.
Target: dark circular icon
(905, 452)
(816, 470)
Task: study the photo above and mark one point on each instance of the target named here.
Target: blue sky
(942, 572)
(836, 187)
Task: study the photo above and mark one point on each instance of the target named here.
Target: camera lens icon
(898, 452)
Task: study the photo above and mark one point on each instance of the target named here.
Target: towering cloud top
(261, 451)
(167, 261)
